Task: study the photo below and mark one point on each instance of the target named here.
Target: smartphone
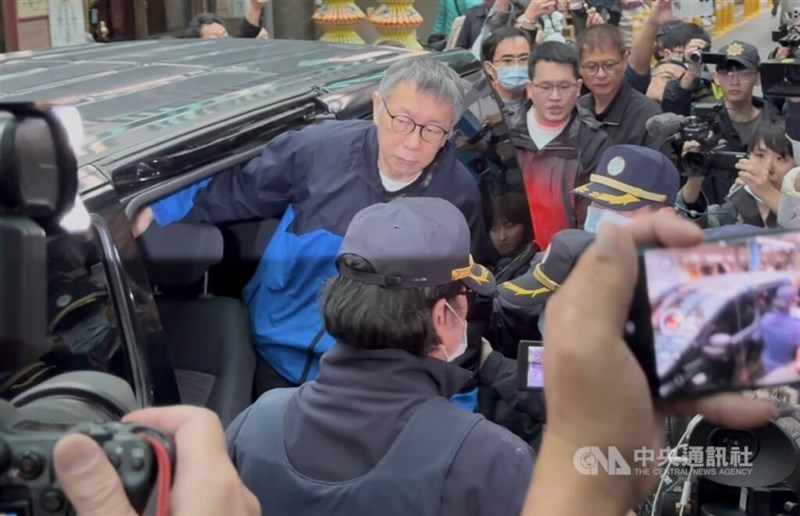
(692, 8)
(529, 365)
(720, 316)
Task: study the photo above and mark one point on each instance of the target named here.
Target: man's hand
(689, 145)
(593, 17)
(141, 221)
(205, 481)
(597, 394)
(691, 47)
(782, 52)
(538, 8)
(253, 14)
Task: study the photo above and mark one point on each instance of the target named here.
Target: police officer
(375, 431)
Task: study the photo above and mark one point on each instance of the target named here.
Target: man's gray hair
(427, 75)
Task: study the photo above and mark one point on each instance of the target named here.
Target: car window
(83, 327)
(484, 146)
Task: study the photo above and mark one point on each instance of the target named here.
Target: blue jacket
(316, 179)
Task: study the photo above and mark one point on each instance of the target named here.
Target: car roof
(131, 93)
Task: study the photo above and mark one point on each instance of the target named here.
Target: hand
(689, 145)
(205, 482)
(693, 46)
(660, 13)
(593, 17)
(253, 14)
(756, 176)
(782, 53)
(538, 8)
(597, 394)
(141, 221)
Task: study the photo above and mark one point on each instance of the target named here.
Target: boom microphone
(665, 124)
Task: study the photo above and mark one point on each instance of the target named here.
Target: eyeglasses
(402, 124)
(511, 61)
(547, 88)
(608, 67)
(739, 74)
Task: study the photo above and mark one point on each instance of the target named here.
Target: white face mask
(595, 215)
(462, 346)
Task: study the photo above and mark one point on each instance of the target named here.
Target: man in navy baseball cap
(629, 179)
(379, 414)
(414, 243)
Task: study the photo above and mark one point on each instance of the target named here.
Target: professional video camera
(38, 185)
(703, 128)
(764, 480)
(781, 78)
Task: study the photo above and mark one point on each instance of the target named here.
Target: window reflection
(83, 331)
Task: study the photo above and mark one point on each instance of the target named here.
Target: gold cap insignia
(735, 49)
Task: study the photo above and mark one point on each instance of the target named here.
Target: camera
(38, 187)
(703, 128)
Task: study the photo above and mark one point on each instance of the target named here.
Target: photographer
(739, 114)
(92, 485)
(755, 195)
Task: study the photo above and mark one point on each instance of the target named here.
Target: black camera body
(27, 479)
(702, 127)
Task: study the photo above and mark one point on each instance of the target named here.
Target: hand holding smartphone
(721, 316)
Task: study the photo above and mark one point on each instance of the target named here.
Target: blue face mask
(594, 216)
(512, 78)
(540, 324)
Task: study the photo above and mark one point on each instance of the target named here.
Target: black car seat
(210, 344)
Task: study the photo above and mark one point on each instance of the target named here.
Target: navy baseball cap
(414, 242)
(629, 177)
(549, 270)
(742, 53)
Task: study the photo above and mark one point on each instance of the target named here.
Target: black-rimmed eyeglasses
(402, 124)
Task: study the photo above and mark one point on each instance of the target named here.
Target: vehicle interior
(198, 271)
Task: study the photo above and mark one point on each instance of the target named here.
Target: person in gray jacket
(375, 432)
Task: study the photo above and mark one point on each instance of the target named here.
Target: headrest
(179, 254)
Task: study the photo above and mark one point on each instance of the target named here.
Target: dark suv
(158, 116)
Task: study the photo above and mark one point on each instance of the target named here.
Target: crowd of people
(364, 302)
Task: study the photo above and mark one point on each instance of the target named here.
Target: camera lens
(728, 439)
(696, 57)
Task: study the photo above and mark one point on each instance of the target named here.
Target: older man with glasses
(620, 109)
(316, 180)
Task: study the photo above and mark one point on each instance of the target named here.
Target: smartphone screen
(529, 365)
(692, 8)
(725, 315)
